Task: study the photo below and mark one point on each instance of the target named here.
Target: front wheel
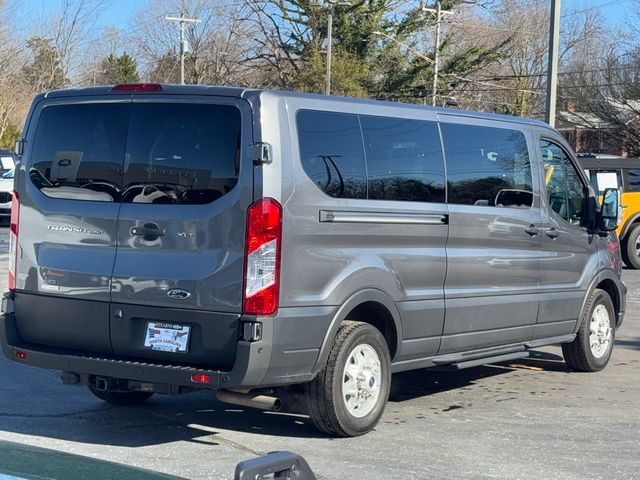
(348, 396)
(592, 347)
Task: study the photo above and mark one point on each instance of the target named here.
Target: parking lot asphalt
(530, 419)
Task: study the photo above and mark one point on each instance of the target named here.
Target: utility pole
(183, 22)
(552, 68)
(329, 5)
(436, 55)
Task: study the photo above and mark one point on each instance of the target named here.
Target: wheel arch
(629, 225)
(607, 281)
(370, 306)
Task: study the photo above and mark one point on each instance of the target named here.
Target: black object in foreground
(276, 465)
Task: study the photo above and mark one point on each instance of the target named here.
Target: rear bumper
(286, 354)
(247, 368)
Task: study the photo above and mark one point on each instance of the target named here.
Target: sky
(120, 12)
(613, 9)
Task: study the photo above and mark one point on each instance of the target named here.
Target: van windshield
(161, 153)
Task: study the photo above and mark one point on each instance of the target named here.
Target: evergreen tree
(44, 72)
(118, 69)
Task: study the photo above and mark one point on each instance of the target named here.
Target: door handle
(149, 231)
(552, 232)
(532, 230)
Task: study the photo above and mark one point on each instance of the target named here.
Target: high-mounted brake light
(262, 254)
(13, 240)
(137, 87)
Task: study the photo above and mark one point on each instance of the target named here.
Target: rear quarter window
(332, 153)
(372, 157)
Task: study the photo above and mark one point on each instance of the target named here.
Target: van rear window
(159, 153)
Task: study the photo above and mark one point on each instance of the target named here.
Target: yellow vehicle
(606, 171)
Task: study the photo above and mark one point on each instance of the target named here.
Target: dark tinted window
(487, 166)
(170, 153)
(181, 153)
(632, 180)
(565, 190)
(332, 154)
(78, 151)
(404, 159)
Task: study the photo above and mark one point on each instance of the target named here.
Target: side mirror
(610, 210)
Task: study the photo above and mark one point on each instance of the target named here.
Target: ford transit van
(294, 251)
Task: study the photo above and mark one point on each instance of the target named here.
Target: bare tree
(71, 32)
(516, 82)
(15, 94)
(217, 44)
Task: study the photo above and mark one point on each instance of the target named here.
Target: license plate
(167, 337)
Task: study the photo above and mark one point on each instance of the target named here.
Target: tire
(630, 251)
(121, 398)
(359, 348)
(592, 347)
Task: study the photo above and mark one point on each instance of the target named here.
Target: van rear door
(178, 272)
(69, 187)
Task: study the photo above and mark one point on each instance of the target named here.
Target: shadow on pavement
(73, 414)
(196, 417)
(633, 343)
(419, 383)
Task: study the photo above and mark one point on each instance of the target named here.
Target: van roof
(242, 92)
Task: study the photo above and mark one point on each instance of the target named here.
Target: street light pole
(183, 21)
(436, 55)
(329, 5)
(327, 83)
(552, 68)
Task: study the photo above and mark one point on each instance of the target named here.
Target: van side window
(332, 153)
(404, 159)
(78, 151)
(565, 190)
(632, 180)
(487, 166)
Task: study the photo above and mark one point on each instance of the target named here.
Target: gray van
(293, 249)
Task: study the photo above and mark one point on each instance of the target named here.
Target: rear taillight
(13, 240)
(262, 254)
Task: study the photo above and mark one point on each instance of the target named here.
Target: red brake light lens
(262, 256)
(201, 378)
(13, 240)
(137, 87)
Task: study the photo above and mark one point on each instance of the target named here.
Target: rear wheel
(631, 250)
(592, 347)
(121, 398)
(348, 396)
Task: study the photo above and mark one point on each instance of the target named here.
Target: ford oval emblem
(178, 294)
